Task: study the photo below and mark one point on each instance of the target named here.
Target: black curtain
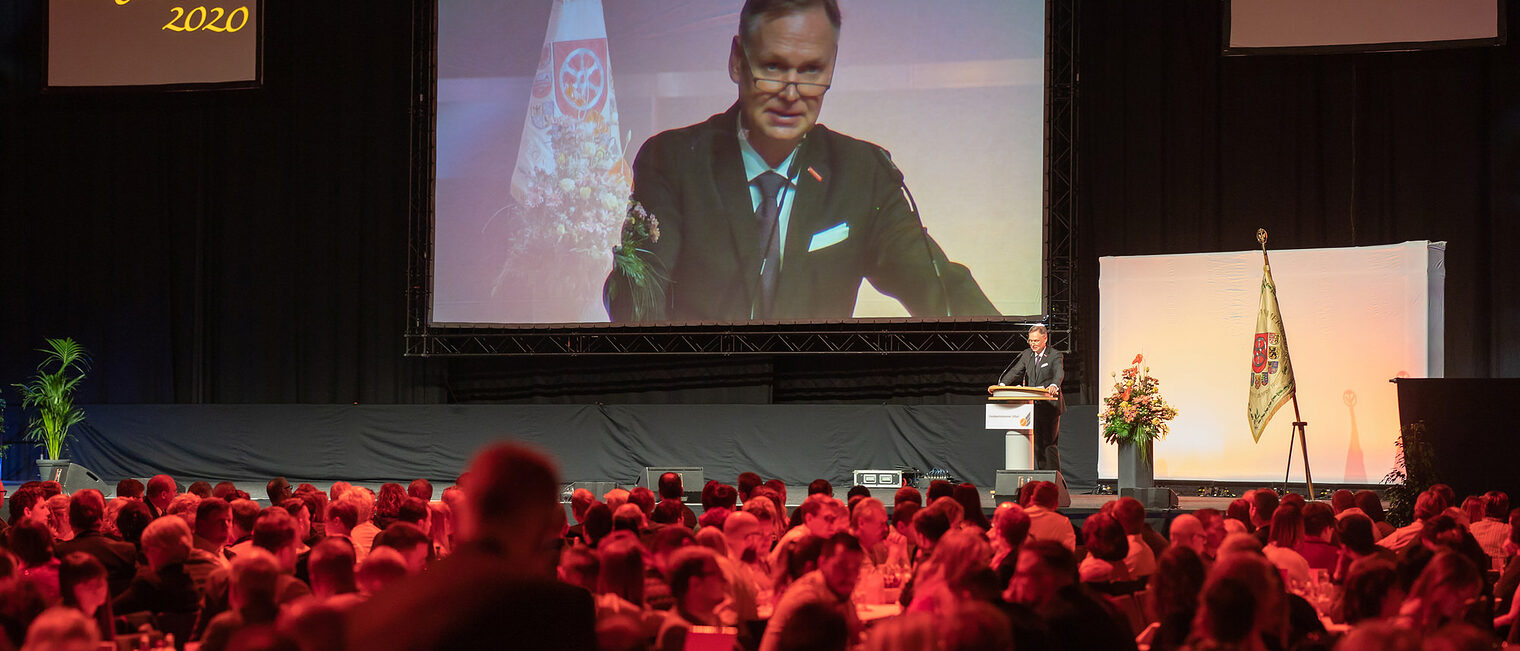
(250, 246)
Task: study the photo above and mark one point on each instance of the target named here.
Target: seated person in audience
(1264, 503)
(302, 516)
(666, 542)
(629, 517)
(667, 512)
(1287, 532)
(856, 491)
(1045, 522)
(498, 582)
(161, 491)
(1046, 581)
(1241, 607)
(162, 586)
(388, 503)
(201, 489)
(363, 534)
(1180, 573)
(970, 500)
(1237, 516)
(1141, 558)
(251, 599)
(798, 557)
(745, 485)
(776, 513)
(698, 586)
(1428, 505)
(939, 488)
(83, 585)
(414, 511)
(1317, 547)
(342, 517)
(131, 521)
(1010, 527)
(278, 490)
(819, 626)
(1355, 533)
(183, 506)
(619, 584)
(929, 525)
(821, 516)
(63, 629)
(1187, 531)
(615, 498)
(1509, 578)
(1493, 528)
(410, 541)
(130, 489)
(672, 492)
(32, 543)
(644, 498)
(1447, 591)
(213, 519)
(28, 503)
(597, 524)
(1107, 548)
(1371, 592)
(713, 518)
(954, 574)
(1214, 525)
(1372, 506)
(831, 584)
(868, 523)
(58, 517)
(440, 529)
(86, 515)
(1341, 500)
(273, 532)
(382, 568)
(580, 500)
(222, 490)
(764, 510)
(245, 513)
(907, 494)
(332, 573)
(902, 546)
(316, 510)
(421, 489)
(579, 565)
(749, 583)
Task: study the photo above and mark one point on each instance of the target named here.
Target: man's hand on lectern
(1053, 390)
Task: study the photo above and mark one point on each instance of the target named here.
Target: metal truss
(866, 336)
(1061, 170)
(899, 337)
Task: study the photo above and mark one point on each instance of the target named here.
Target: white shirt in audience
(1047, 524)
(1140, 560)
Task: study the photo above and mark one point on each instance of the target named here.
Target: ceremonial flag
(1271, 372)
(572, 98)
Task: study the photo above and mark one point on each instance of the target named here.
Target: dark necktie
(768, 217)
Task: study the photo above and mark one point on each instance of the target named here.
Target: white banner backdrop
(1354, 318)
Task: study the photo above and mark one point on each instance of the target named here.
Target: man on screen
(765, 214)
(1040, 366)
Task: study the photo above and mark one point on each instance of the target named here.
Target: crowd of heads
(922, 570)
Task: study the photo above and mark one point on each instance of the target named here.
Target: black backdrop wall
(249, 247)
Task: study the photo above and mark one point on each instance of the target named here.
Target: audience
(494, 564)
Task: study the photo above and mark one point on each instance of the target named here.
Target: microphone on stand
(923, 231)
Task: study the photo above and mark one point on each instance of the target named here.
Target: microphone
(923, 231)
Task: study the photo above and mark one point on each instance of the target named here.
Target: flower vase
(1135, 471)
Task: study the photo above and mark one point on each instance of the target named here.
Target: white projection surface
(1354, 318)
(1342, 23)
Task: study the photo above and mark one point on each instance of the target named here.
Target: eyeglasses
(778, 86)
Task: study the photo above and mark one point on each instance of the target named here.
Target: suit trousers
(1047, 432)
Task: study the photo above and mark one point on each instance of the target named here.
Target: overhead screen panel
(1286, 25)
(105, 43)
(954, 90)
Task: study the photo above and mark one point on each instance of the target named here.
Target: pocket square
(830, 237)
(1045, 364)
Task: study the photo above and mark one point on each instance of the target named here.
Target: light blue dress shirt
(754, 166)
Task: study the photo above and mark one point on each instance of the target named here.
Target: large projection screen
(1266, 26)
(1354, 319)
(954, 90)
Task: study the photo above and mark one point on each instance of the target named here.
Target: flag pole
(1300, 428)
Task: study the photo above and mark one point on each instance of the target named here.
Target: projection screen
(1354, 318)
(523, 232)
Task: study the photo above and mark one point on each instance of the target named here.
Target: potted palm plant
(51, 393)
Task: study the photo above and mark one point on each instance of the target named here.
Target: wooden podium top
(1011, 394)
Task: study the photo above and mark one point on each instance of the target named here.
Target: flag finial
(1261, 237)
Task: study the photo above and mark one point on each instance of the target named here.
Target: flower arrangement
(1135, 412)
(568, 216)
(633, 260)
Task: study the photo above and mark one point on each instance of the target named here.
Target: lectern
(1011, 411)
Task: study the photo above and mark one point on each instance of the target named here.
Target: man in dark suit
(764, 214)
(86, 510)
(1040, 366)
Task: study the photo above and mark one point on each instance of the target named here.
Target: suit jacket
(119, 557)
(1049, 371)
(692, 180)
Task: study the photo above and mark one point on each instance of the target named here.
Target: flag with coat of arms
(1272, 383)
(572, 91)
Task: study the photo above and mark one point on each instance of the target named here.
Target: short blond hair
(170, 535)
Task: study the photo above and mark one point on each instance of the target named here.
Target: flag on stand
(1271, 373)
(572, 92)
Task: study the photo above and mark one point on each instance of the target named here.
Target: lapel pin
(815, 175)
